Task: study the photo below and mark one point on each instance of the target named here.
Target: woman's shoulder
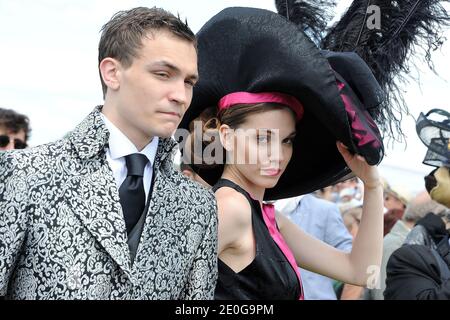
(233, 205)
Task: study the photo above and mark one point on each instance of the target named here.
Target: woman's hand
(368, 174)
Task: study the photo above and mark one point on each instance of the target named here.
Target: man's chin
(165, 132)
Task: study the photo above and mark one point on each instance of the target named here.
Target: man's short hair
(14, 122)
(122, 36)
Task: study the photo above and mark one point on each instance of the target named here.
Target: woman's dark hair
(211, 119)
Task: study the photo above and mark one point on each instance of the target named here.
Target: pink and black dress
(272, 274)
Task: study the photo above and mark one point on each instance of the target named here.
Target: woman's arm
(361, 265)
(234, 218)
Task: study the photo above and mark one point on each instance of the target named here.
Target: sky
(48, 65)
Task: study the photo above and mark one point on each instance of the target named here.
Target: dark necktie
(131, 192)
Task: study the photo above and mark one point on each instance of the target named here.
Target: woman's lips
(270, 172)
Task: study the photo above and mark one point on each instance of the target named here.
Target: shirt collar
(120, 146)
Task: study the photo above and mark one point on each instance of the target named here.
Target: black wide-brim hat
(256, 50)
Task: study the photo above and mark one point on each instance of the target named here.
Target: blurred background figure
(14, 130)
(396, 199)
(420, 269)
(433, 129)
(187, 171)
(418, 208)
(351, 218)
(321, 219)
(326, 194)
(347, 194)
(348, 199)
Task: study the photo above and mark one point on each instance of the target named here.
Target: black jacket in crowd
(421, 272)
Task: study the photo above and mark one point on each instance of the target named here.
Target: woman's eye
(262, 139)
(190, 83)
(289, 141)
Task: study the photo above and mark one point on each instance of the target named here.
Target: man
(14, 130)
(102, 213)
(321, 219)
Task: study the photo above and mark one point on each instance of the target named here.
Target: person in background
(416, 210)
(348, 199)
(352, 218)
(420, 269)
(322, 220)
(396, 199)
(191, 174)
(14, 130)
(325, 193)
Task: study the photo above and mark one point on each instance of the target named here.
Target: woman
(273, 103)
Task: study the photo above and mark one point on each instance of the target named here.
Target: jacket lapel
(98, 204)
(162, 167)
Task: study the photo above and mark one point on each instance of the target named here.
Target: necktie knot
(136, 163)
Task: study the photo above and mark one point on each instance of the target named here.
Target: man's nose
(178, 93)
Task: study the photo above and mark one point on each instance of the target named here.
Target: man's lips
(175, 114)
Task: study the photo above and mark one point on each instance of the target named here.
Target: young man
(102, 213)
(14, 130)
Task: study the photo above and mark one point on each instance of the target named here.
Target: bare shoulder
(233, 206)
(235, 218)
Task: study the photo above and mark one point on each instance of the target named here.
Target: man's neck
(127, 129)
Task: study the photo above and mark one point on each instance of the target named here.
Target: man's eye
(162, 74)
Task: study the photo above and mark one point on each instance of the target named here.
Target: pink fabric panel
(269, 219)
(248, 98)
(359, 131)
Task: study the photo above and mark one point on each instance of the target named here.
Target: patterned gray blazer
(63, 236)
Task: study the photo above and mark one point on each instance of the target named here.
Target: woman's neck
(230, 173)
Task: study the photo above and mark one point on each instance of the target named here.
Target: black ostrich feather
(311, 15)
(407, 28)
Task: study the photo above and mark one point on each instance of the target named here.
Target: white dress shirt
(119, 147)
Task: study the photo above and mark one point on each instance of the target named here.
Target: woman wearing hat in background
(264, 85)
(433, 129)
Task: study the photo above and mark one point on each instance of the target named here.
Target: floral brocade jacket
(63, 235)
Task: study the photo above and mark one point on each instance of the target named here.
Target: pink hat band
(261, 97)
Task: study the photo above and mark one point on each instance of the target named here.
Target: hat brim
(255, 50)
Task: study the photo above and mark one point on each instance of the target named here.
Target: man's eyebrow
(174, 68)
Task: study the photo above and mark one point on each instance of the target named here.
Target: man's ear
(226, 137)
(110, 72)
